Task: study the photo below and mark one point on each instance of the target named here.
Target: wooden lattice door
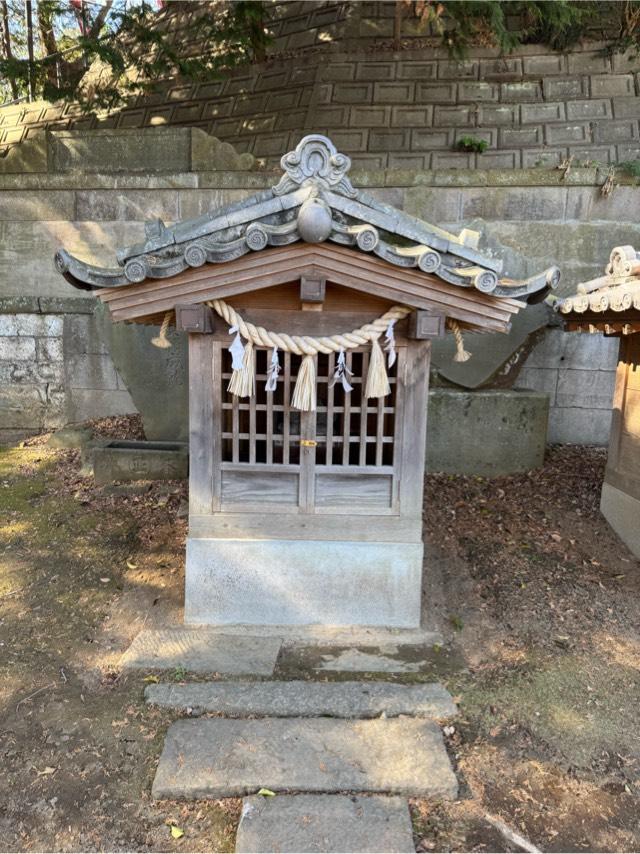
(339, 458)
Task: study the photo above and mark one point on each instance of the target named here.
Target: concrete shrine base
(303, 582)
(622, 512)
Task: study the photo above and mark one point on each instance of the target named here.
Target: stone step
(221, 757)
(330, 823)
(305, 699)
(203, 652)
(243, 650)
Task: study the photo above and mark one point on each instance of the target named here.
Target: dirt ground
(538, 600)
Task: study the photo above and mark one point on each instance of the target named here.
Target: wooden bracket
(194, 318)
(312, 292)
(426, 324)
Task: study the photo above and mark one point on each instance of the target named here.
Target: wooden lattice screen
(339, 454)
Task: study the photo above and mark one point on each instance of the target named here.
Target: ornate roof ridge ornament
(618, 290)
(313, 202)
(315, 160)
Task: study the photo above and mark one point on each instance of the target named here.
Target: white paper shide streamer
(390, 345)
(342, 373)
(307, 347)
(273, 371)
(236, 349)
(242, 382)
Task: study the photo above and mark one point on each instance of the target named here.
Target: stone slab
(590, 389)
(355, 660)
(486, 433)
(219, 757)
(305, 699)
(202, 653)
(346, 635)
(303, 582)
(156, 378)
(124, 460)
(489, 352)
(106, 150)
(295, 637)
(558, 349)
(580, 426)
(70, 437)
(305, 823)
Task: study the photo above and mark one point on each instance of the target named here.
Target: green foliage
(180, 673)
(456, 622)
(129, 50)
(630, 167)
(472, 143)
(557, 23)
(628, 35)
(101, 55)
(463, 23)
(472, 21)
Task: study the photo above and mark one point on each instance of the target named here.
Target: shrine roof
(609, 303)
(314, 202)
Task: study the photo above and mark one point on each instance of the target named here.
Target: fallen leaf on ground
(267, 793)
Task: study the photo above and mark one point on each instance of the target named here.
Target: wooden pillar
(412, 443)
(202, 434)
(620, 501)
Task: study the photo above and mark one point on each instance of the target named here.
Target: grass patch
(582, 705)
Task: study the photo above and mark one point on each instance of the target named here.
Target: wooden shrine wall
(623, 465)
(260, 469)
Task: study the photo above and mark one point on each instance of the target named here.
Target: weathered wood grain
(339, 265)
(265, 488)
(411, 446)
(336, 490)
(204, 439)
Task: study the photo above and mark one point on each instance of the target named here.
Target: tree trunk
(259, 50)
(6, 39)
(48, 38)
(397, 25)
(29, 16)
(98, 21)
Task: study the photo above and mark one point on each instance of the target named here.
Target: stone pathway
(337, 754)
(291, 823)
(356, 661)
(197, 652)
(304, 699)
(221, 758)
(237, 650)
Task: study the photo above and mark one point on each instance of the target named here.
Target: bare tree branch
(98, 21)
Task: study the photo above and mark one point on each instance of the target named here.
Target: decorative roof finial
(315, 160)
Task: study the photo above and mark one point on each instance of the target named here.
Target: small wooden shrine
(610, 305)
(309, 309)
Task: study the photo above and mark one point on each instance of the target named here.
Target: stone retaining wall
(389, 110)
(533, 218)
(54, 367)
(578, 374)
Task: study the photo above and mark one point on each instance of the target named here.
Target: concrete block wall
(387, 110)
(54, 368)
(94, 387)
(31, 369)
(578, 373)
